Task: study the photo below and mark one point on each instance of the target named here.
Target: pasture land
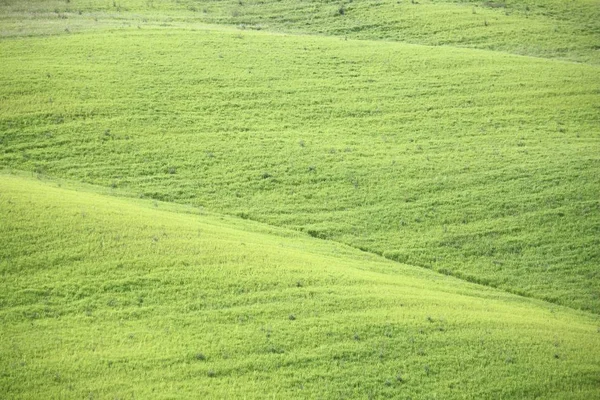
(472, 163)
(105, 297)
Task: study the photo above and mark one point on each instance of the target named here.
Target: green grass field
(551, 28)
(426, 155)
(106, 297)
(417, 183)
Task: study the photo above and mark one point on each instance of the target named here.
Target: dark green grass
(473, 163)
(111, 298)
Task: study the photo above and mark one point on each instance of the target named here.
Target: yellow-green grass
(472, 163)
(105, 297)
(545, 28)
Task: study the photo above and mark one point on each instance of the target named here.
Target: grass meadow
(422, 154)
(357, 199)
(108, 297)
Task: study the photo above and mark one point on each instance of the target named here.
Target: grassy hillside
(169, 170)
(545, 28)
(104, 297)
(473, 163)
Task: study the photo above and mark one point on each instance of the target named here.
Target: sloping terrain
(472, 163)
(105, 297)
(300, 199)
(560, 29)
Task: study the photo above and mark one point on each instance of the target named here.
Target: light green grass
(554, 29)
(468, 162)
(457, 139)
(103, 297)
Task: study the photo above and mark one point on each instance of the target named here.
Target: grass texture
(472, 163)
(560, 29)
(300, 199)
(105, 297)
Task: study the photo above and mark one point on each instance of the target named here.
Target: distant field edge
(241, 30)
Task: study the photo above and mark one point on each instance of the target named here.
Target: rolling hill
(356, 199)
(106, 297)
(472, 163)
(551, 28)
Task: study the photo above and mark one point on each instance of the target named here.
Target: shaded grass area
(107, 297)
(471, 163)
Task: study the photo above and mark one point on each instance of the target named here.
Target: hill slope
(567, 30)
(107, 297)
(468, 162)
